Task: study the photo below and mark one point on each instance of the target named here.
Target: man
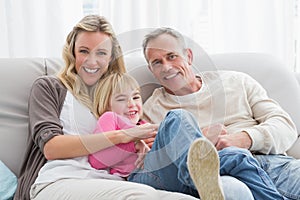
(251, 119)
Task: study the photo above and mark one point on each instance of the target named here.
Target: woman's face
(92, 53)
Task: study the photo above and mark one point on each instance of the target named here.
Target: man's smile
(171, 76)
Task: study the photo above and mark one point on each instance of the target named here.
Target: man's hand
(241, 140)
(212, 132)
(149, 141)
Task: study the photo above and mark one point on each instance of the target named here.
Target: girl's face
(127, 104)
(92, 54)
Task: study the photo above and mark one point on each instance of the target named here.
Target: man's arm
(275, 131)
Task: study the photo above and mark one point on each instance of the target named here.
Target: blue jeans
(285, 173)
(165, 166)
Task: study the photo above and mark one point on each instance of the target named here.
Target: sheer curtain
(36, 28)
(265, 26)
(189, 17)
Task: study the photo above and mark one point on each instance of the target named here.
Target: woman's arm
(110, 156)
(69, 146)
(45, 103)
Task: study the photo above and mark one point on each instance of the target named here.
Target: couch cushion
(15, 83)
(53, 65)
(138, 68)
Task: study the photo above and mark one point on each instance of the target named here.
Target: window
(90, 7)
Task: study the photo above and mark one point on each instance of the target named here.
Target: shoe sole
(203, 164)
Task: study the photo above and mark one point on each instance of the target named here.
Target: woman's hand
(140, 132)
(142, 149)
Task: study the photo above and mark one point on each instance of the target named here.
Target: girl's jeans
(165, 166)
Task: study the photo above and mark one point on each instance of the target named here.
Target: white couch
(18, 74)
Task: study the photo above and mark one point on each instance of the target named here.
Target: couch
(18, 75)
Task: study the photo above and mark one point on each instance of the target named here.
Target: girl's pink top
(120, 158)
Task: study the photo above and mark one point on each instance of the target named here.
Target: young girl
(120, 107)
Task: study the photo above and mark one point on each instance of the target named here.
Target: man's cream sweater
(235, 100)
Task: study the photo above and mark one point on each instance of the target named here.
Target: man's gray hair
(160, 31)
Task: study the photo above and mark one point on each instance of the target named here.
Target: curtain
(36, 28)
(218, 26)
(131, 19)
(265, 26)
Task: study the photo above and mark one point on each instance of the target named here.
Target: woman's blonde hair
(112, 84)
(69, 76)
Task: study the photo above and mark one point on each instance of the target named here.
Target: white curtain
(36, 28)
(134, 14)
(265, 26)
(187, 16)
(219, 26)
(39, 27)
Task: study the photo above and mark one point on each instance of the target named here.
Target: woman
(62, 118)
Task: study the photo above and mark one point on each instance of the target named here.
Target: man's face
(170, 64)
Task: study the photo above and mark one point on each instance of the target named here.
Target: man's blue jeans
(285, 173)
(165, 166)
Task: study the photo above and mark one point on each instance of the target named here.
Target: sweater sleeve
(45, 104)
(275, 132)
(118, 153)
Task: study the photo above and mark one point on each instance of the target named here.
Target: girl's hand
(140, 132)
(142, 149)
